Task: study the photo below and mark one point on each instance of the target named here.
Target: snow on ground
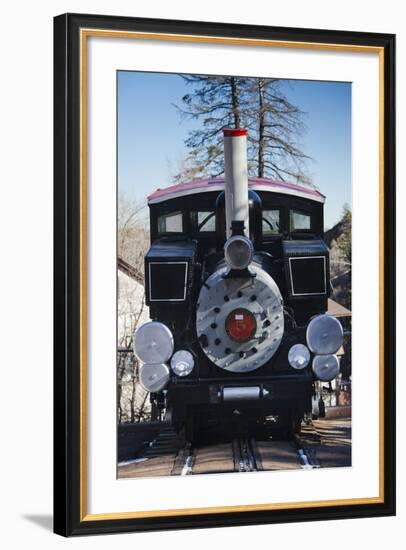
(131, 308)
(131, 312)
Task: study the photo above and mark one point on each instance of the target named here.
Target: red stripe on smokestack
(232, 132)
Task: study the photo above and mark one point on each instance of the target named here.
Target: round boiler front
(239, 321)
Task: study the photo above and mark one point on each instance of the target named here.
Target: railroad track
(245, 454)
(167, 454)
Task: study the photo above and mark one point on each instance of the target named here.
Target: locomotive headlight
(324, 335)
(154, 377)
(182, 362)
(153, 343)
(241, 325)
(326, 367)
(299, 356)
(238, 252)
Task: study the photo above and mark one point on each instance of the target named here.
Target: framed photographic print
(224, 274)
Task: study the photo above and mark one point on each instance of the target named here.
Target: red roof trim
(206, 184)
(233, 132)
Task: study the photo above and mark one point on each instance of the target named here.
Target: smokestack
(236, 177)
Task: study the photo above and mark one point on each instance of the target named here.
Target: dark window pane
(308, 275)
(167, 280)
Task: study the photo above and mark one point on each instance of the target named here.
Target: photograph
(234, 215)
(200, 236)
(224, 258)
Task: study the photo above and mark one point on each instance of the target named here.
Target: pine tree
(344, 240)
(275, 125)
(258, 104)
(217, 102)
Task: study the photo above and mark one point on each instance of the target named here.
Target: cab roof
(217, 184)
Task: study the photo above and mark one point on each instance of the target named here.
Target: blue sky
(151, 134)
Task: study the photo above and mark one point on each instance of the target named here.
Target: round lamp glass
(238, 252)
(154, 377)
(324, 335)
(298, 356)
(182, 362)
(326, 367)
(153, 343)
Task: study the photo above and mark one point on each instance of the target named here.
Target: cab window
(299, 221)
(205, 221)
(271, 222)
(171, 223)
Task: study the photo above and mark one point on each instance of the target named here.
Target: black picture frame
(68, 437)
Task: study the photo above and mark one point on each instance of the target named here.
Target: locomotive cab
(237, 281)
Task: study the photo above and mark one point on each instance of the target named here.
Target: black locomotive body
(235, 338)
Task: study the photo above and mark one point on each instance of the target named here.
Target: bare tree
(132, 231)
(133, 242)
(338, 238)
(120, 375)
(131, 398)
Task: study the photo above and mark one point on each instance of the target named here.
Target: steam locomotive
(237, 281)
